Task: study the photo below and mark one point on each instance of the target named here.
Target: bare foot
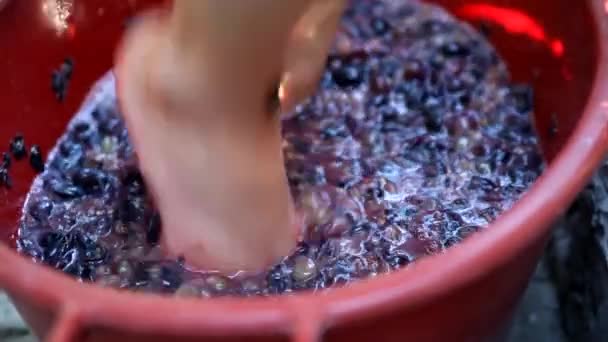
(199, 111)
(217, 175)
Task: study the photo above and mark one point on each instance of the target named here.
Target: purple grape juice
(415, 139)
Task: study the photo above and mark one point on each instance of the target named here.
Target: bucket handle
(308, 321)
(67, 326)
(308, 324)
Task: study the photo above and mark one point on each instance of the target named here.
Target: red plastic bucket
(466, 294)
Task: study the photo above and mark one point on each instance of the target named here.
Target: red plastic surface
(466, 294)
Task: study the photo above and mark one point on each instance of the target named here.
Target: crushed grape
(415, 140)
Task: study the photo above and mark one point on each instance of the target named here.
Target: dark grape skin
(36, 159)
(17, 146)
(61, 77)
(393, 159)
(348, 76)
(41, 209)
(90, 181)
(64, 189)
(6, 160)
(5, 178)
